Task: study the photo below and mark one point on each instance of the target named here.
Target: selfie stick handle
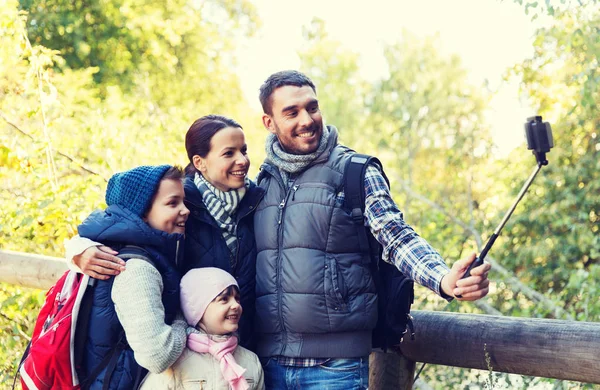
(479, 260)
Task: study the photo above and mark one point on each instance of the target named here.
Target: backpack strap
(25, 354)
(134, 252)
(109, 362)
(83, 319)
(354, 195)
(394, 289)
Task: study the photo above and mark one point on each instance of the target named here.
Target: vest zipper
(278, 268)
(295, 188)
(281, 206)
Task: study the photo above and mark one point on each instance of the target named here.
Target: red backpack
(49, 360)
(61, 329)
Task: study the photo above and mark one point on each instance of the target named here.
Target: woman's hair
(199, 135)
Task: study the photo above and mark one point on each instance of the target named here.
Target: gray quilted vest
(315, 296)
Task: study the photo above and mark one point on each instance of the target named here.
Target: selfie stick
(539, 139)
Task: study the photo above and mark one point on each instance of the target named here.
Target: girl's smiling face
(167, 212)
(222, 315)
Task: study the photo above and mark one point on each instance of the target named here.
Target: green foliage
(126, 81)
(126, 39)
(428, 122)
(341, 91)
(18, 311)
(556, 239)
(91, 88)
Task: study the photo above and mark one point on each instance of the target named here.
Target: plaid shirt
(401, 245)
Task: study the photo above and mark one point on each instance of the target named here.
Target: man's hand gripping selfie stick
(539, 140)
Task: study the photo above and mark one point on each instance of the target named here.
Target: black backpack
(395, 291)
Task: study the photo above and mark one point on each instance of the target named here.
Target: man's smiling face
(296, 119)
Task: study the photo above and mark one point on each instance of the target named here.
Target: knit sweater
(156, 345)
(142, 318)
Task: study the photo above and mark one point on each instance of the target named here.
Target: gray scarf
(222, 207)
(291, 164)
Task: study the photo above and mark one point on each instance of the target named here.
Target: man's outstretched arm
(412, 254)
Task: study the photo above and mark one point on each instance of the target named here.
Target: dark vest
(104, 329)
(205, 247)
(315, 294)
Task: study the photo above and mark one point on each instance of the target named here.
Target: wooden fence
(566, 350)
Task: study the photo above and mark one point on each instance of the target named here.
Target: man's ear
(268, 123)
(199, 163)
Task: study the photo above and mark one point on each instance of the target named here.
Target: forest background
(91, 88)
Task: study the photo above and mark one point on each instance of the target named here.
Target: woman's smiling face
(226, 164)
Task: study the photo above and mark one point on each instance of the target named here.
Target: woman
(221, 199)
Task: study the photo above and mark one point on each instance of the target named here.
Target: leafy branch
(35, 61)
(62, 154)
(12, 321)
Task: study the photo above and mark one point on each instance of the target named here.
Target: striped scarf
(222, 207)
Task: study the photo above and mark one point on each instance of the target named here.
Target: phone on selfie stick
(539, 140)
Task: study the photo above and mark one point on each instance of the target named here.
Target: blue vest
(205, 247)
(117, 227)
(315, 296)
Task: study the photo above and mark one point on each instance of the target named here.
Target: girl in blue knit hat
(133, 326)
(222, 201)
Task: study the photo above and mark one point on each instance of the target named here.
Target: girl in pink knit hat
(210, 301)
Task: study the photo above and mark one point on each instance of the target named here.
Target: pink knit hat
(199, 286)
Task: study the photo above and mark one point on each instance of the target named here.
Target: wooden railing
(566, 350)
(29, 270)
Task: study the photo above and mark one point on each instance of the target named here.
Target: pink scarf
(222, 351)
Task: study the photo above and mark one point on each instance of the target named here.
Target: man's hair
(281, 79)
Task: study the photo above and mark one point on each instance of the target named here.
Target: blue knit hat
(134, 189)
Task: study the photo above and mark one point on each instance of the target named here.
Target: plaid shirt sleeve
(402, 246)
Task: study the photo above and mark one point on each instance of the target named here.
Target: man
(316, 303)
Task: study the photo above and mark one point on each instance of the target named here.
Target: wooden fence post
(390, 370)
